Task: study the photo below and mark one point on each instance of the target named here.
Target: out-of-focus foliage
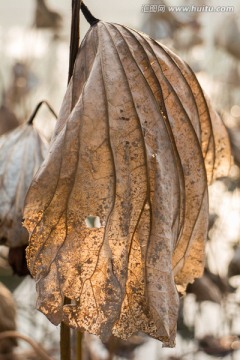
(45, 17)
(229, 39)
(8, 120)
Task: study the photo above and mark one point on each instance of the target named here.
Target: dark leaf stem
(88, 15)
(65, 338)
(65, 334)
(32, 117)
(75, 34)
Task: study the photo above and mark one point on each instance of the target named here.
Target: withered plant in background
(8, 120)
(45, 17)
(118, 212)
(229, 39)
(7, 319)
(8, 333)
(21, 153)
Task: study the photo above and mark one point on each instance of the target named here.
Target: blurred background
(34, 52)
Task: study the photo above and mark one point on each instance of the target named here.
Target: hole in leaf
(93, 221)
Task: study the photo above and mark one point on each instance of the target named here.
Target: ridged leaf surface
(133, 147)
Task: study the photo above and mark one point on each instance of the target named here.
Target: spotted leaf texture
(127, 158)
(21, 153)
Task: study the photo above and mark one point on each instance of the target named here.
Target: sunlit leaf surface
(118, 212)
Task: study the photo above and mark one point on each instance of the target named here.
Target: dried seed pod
(118, 212)
(21, 153)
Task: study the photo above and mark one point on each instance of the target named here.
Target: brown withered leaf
(127, 158)
(21, 153)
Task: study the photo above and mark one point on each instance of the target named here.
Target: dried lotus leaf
(21, 153)
(128, 154)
